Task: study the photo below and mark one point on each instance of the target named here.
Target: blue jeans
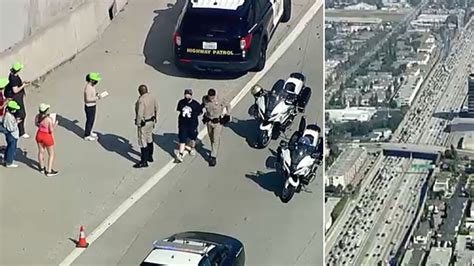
(10, 152)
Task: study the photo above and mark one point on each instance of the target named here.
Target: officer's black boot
(212, 161)
(143, 158)
(150, 152)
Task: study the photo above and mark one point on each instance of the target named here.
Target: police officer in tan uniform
(146, 114)
(217, 114)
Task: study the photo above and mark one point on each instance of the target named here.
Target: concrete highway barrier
(62, 40)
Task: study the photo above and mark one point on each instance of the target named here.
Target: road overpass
(416, 151)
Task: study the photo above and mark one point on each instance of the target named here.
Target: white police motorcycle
(299, 158)
(278, 108)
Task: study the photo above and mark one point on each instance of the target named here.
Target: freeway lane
(238, 196)
(96, 177)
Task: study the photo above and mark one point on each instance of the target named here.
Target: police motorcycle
(299, 158)
(278, 108)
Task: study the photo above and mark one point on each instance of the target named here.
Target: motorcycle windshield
(273, 100)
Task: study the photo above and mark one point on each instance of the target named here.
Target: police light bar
(160, 244)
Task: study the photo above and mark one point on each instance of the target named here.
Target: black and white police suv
(227, 35)
(196, 249)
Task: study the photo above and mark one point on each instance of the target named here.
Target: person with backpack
(12, 133)
(15, 89)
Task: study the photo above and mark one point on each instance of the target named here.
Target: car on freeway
(196, 248)
(227, 36)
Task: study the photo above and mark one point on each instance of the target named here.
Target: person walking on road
(146, 115)
(16, 90)
(12, 134)
(45, 140)
(217, 113)
(188, 122)
(90, 101)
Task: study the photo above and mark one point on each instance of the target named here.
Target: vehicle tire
(276, 132)
(263, 139)
(302, 125)
(303, 99)
(262, 57)
(287, 193)
(299, 76)
(286, 11)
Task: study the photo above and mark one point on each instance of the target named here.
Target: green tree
(393, 104)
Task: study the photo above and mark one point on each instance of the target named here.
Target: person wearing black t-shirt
(16, 90)
(188, 122)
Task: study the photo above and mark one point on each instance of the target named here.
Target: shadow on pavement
(71, 125)
(270, 181)
(158, 48)
(119, 145)
(22, 157)
(446, 115)
(205, 153)
(271, 160)
(167, 142)
(246, 129)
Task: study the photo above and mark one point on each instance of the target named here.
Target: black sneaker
(51, 173)
(212, 161)
(140, 165)
(42, 170)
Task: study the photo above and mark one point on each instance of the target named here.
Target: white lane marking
(150, 183)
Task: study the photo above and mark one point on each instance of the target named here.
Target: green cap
(17, 66)
(44, 107)
(13, 105)
(3, 83)
(95, 76)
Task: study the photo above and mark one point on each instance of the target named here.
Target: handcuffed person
(188, 123)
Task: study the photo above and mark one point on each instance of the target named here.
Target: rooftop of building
(345, 161)
(439, 256)
(464, 255)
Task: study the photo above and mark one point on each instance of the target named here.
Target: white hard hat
(256, 89)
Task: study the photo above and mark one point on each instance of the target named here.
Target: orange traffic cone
(82, 243)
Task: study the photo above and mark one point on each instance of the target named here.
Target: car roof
(219, 4)
(178, 252)
(171, 257)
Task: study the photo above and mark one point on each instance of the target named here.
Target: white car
(196, 249)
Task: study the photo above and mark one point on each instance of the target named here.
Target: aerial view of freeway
(382, 212)
(117, 87)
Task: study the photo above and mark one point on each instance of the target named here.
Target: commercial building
(429, 21)
(353, 20)
(464, 250)
(468, 141)
(470, 103)
(439, 256)
(441, 184)
(361, 6)
(361, 114)
(408, 90)
(346, 166)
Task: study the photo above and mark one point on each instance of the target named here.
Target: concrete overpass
(417, 151)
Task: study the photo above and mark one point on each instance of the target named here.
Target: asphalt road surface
(238, 197)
